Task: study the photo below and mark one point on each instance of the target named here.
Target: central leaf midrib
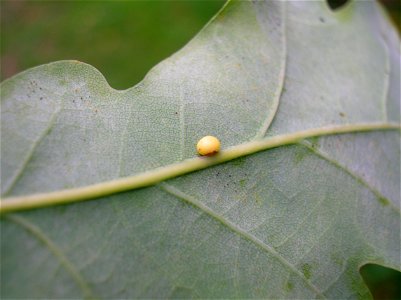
(154, 176)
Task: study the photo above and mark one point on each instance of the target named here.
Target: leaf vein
(182, 124)
(18, 174)
(239, 231)
(56, 251)
(299, 226)
(280, 86)
(163, 173)
(349, 172)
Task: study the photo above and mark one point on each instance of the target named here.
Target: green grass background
(124, 39)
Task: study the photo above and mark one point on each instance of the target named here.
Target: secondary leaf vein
(280, 87)
(352, 174)
(56, 251)
(244, 234)
(18, 174)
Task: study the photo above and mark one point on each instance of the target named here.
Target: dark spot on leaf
(238, 162)
(314, 142)
(321, 19)
(342, 114)
(176, 113)
(337, 259)
(300, 155)
(383, 201)
(307, 270)
(180, 292)
(289, 286)
(41, 98)
(61, 209)
(49, 131)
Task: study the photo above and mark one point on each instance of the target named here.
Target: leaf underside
(295, 221)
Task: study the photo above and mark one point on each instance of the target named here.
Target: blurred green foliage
(393, 7)
(124, 39)
(384, 283)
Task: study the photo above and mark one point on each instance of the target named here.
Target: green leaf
(314, 92)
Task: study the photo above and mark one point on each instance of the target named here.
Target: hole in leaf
(336, 4)
(383, 283)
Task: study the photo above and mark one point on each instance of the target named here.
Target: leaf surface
(295, 221)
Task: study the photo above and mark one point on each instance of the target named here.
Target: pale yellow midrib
(177, 169)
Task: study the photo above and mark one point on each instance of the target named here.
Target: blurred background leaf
(124, 39)
(384, 283)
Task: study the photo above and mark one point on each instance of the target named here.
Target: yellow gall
(208, 145)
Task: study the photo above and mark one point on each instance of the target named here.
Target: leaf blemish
(307, 270)
(238, 162)
(299, 156)
(383, 201)
(336, 258)
(289, 286)
(314, 142)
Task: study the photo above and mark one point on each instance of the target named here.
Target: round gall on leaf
(208, 145)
